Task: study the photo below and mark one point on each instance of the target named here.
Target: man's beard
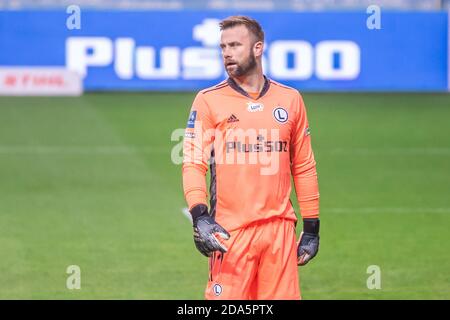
(244, 68)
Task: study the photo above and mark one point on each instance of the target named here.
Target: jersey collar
(237, 88)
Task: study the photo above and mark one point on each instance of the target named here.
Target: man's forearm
(194, 185)
(307, 189)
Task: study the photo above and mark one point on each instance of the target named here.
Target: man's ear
(258, 48)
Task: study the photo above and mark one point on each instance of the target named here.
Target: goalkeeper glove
(205, 230)
(308, 245)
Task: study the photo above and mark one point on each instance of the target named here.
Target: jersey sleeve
(303, 164)
(197, 152)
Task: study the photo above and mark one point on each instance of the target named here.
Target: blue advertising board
(179, 50)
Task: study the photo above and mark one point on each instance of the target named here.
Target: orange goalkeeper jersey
(252, 147)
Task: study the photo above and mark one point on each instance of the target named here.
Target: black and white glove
(206, 231)
(308, 245)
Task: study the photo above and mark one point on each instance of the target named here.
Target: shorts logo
(191, 121)
(280, 114)
(217, 289)
(254, 107)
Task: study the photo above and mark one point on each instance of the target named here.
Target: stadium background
(89, 179)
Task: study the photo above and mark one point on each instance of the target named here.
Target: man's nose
(226, 53)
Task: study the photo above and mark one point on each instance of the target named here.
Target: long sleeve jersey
(252, 148)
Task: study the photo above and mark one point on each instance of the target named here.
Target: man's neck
(253, 82)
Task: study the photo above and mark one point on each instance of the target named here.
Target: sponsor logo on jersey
(232, 118)
(189, 134)
(191, 121)
(260, 146)
(254, 107)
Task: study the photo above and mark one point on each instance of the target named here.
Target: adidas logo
(232, 118)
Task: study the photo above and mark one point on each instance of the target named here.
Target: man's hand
(308, 245)
(205, 230)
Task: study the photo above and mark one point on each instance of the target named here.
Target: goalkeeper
(254, 134)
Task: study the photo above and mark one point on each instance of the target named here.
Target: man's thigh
(277, 276)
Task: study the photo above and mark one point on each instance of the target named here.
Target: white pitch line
(187, 214)
(102, 150)
(387, 210)
(48, 149)
(389, 151)
(367, 210)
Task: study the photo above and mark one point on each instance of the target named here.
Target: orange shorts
(261, 263)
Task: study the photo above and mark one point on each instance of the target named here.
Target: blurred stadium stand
(299, 5)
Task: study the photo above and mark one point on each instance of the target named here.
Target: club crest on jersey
(254, 106)
(280, 114)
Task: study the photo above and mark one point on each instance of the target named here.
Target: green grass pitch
(89, 181)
